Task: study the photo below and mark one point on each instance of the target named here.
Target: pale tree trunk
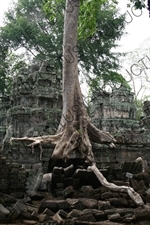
(75, 130)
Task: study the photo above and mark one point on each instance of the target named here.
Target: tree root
(46, 139)
(71, 138)
(133, 195)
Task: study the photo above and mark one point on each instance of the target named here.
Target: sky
(137, 27)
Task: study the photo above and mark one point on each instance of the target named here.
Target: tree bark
(75, 130)
(133, 195)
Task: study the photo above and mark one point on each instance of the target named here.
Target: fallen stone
(114, 217)
(99, 215)
(142, 214)
(48, 212)
(3, 210)
(58, 219)
(57, 170)
(128, 218)
(62, 213)
(68, 192)
(8, 199)
(38, 196)
(74, 213)
(103, 205)
(68, 181)
(34, 215)
(43, 217)
(118, 201)
(57, 178)
(89, 203)
(29, 222)
(78, 222)
(89, 192)
(17, 209)
(76, 183)
(75, 204)
(87, 217)
(53, 205)
(68, 171)
(60, 186)
(109, 194)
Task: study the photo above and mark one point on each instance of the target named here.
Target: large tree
(76, 130)
(27, 25)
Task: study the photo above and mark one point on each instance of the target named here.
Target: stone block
(17, 209)
(48, 212)
(62, 213)
(87, 217)
(142, 214)
(103, 205)
(68, 181)
(74, 213)
(4, 210)
(68, 192)
(68, 171)
(76, 183)
(99, 215)
(58, 219)
(53, 205)
(57, 178)
(114, 217)
(75, 204)
(89, 203)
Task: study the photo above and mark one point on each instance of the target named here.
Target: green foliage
(37, 26)
(138, 4)
(139, 108)
(89, 12)
(9, 67)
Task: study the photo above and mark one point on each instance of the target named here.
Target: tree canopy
(38, 28)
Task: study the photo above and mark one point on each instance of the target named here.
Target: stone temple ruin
(70, 193)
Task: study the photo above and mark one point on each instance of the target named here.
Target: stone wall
(37, 101)
(12, 177)
(113, 111)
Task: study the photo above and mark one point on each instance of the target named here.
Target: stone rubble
(84, 203)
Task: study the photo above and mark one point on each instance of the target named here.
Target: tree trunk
(75, 130)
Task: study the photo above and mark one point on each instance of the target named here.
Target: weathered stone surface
(118, 201)
(103, 205)
(58, 219)
(109, 194)
(4, 210)
(99, 215)
(68, 171)
(53, 205)
(57, 170)
(142, 214)
(89, 203)
(68, 192)
(128, 218)
(74, 213)
(17, 209)
(48, 212)
(44, 217)
(63, 213)
(29, 222)
(87, 217)
(75, 204)
(114, 217)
